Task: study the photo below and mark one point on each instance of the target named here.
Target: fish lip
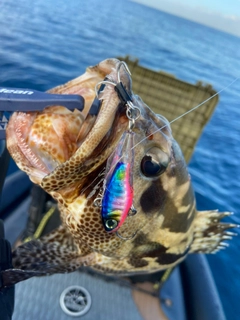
(16, 133)
(40, 150)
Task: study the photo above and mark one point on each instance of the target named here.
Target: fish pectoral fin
(210, 232)
(62, 236)
(10, 277)
(37, 258)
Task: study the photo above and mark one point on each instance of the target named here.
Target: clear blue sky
(220, 14)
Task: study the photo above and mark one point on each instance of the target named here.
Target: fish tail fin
(210, 232)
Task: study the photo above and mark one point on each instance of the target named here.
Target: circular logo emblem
(75, 301)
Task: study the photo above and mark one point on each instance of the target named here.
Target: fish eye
(154, 163)
(111, 224)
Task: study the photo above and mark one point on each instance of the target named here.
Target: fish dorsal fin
(210, 232)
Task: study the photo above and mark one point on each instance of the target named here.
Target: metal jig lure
(118, 194)
(117, 197)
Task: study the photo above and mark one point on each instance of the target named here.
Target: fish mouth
(57, 143)
(42, 142)
(39, 142)
(58, 147)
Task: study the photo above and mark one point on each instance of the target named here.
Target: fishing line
(184, 114)
(194, 108)
(131, 106)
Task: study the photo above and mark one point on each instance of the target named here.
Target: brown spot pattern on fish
(66, 152)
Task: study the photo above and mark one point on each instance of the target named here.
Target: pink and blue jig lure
(118, 191)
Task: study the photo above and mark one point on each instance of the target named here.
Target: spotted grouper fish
(66, 153)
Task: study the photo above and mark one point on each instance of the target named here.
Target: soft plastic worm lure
(118, 191)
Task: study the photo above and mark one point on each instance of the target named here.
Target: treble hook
(124, 238)
(122, 63)
(97, 202)
(132, 211)
(102, 83)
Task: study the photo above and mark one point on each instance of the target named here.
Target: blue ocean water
(46, 43)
